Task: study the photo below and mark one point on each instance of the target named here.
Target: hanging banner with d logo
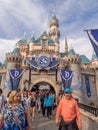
(0, 78)
(66, 78)
(55, 67)
(87, 86)
(15, 76)
(77, 84)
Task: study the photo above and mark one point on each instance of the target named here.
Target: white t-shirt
(2, 100)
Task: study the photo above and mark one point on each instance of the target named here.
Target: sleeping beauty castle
(38, 64)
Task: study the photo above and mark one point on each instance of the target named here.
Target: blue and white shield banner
(87, 82)
(15, 76)
(66, 78)
(55, 67)
(77, 84)
(93, 36)
(7, 84)
(0, 78)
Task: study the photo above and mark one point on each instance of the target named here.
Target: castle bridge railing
(92, 110)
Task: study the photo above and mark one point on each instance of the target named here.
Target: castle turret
(74, 62)
(54, 24)
(14, 59)
(23, 46)
(31, 45)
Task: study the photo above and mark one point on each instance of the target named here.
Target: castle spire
(32, 37)
(54, 25)
(66, 46)
(24, 36)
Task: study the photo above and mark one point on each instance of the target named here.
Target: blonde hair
(11, 96)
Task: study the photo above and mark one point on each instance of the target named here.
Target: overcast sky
(26, 16)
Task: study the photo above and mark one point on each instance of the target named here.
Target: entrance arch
(43, 86)
(53, 84)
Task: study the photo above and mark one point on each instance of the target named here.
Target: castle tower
(54, 25)
(31, 45)
(23, 46)
(14, 59)
(74, 62)
(94, 65)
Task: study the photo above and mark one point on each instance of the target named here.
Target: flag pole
(89, 29)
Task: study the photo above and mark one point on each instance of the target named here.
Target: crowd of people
(17, 110)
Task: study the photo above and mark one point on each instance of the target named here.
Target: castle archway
(43, 81)
(43, 86)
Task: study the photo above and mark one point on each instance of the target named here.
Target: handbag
(26, 122)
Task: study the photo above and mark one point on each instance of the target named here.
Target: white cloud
(80, 45)
(19, 16)
(5, 47)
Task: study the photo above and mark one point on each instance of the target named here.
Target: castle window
(44, 44)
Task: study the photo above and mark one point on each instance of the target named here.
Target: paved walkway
(43, 123)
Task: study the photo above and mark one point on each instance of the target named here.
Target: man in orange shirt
(69, 112)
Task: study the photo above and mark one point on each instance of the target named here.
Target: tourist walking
(3, 100)
(15, 114)
(69, 112)
(48, 100)
(33, 105)
(43, 104)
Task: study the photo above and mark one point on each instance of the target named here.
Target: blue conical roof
(71, 51)
(94, 57)
(16, 51)
(22, 41)
(4, 64)
(84, 59)
(50, 41)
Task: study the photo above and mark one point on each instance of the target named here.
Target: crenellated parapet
(12, 57)
(86, 67)
(94, 64)
(74, 59)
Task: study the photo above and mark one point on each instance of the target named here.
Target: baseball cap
(68, 90)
